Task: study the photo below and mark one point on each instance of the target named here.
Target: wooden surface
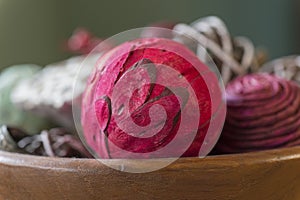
(263, 175)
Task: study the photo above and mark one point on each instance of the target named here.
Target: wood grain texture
(262, 175)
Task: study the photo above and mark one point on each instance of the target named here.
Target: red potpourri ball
(121, 120)
(263, 112)
(82, 41)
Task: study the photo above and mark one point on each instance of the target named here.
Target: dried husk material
(49, 93)
(263, 112)
(9, 138)
(56, 142)
(11, 114)
(233, 56)
(287, 67)
(98, 107)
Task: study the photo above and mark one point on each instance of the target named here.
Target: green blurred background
(32, 31)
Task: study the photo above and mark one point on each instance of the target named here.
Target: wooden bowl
(268, 175)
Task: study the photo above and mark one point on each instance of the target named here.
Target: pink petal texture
(110, 118)
(263, 112)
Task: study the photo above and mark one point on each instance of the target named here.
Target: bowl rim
(84, 164)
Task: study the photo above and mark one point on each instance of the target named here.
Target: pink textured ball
(263, 112)
(106, 118)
